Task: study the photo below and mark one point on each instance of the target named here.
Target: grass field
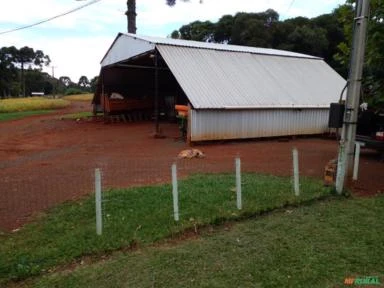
(31, 104)
(141, 216)
(318, 245)
(20, 115)
(79, 97)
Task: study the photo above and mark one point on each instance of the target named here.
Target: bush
(74, 91)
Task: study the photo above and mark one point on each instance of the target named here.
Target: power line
(51, 18)
(290, 6)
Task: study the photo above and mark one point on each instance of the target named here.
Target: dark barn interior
(147, 89)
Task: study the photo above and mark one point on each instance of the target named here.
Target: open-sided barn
(233, 91)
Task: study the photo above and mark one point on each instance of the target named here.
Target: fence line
(22, 197)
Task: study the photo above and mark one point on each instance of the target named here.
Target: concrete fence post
(296, 183)
(175, 193)
(357, 160)
(99, 223)
(238, 183)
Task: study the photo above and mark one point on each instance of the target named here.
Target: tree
(84, 82)
(14, 60)
(48, 86)
(318, 36)
(197, 31)
(8, 72)
(26, 56)
(373, 80)
(34, 81)
(254, 29)
(131, 13)
(223, 29)
(335, 35)
(309, 40)
(93, 83)
(65, 80)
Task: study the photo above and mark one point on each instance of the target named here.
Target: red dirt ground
(45, 160)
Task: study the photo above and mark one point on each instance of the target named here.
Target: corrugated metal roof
(229, 80)
(216, 46)
(218, 76)
(126, 46)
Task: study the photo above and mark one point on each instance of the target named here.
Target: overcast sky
(77, 42)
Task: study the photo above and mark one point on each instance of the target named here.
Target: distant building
(37, 94)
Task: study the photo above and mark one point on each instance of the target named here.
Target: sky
(76, 43)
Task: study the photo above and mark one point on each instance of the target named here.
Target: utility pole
(131, 16)
(54, 82)
(157, 125)
(348, 134)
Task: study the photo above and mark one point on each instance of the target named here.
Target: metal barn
(233, 92)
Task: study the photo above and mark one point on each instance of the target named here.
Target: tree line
(317, 36)
(328, 36)
(21, 74)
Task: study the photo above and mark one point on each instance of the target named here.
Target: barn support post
(239, 203)
(296, 183)
(99, 223)
(157, 125)
(102, 97)
(189, 125)
(175, 192)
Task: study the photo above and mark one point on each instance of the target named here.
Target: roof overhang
(124, 48)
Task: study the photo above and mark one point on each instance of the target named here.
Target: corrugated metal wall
(240, 124)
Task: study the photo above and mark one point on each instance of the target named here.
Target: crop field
(31, 104)
(79, 97)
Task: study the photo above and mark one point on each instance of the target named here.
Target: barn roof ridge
(217, 46)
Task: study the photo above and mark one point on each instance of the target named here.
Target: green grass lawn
(20, 115)
(141, 216)
(317, 245)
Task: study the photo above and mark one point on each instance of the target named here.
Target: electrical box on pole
(348, 134)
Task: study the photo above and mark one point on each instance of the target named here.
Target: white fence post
(175, 193)
(357, 160)
(238, 183)
(295, 156)
(99, 223)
